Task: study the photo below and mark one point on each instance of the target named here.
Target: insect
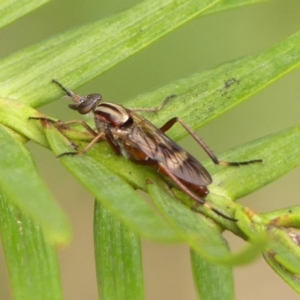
(137, 139)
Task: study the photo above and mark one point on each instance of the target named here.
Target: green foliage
(32, 229)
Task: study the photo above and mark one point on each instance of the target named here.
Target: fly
(137, 139)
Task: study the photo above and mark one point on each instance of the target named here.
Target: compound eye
(94, 97)
(73, 106)
(88, 103)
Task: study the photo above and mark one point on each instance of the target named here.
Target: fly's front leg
(155, 109)
(82, 123)
(96, 139)
(61, 126)
(171, 122)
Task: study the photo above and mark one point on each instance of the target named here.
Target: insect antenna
(68, 92)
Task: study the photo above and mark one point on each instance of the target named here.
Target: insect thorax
(110, 113)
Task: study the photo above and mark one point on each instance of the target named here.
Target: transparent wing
(157, 146)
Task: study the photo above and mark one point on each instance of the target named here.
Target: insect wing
(158, 147)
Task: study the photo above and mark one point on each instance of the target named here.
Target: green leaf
(285, 249)
(282, 252)
(15, 115)
(206, 95)
(21, 183)
(88, 51)
(212, 281)
(211, 93)
(244, 179)
(113, 192)
(247, 176)
(99, 171)
(290, 278)
(230, 4)
(118, 258)
(233, 183)
(11, 10)
(93, 48)
(32, 262)
(81, 54)
(286, 217)
(202, 235)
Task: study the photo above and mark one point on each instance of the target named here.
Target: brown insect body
(143, 143)
(137, 139)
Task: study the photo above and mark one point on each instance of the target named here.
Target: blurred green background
(199, 45)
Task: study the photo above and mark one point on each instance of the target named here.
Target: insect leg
(97, 138)
(82, 123)
(64, 125)
(61, 126)
(162, 169)
(171, 122)
(191, 194)
(155, 109)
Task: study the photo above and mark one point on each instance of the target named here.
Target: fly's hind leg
(212, 156)
(187, 191)
(182, 187)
